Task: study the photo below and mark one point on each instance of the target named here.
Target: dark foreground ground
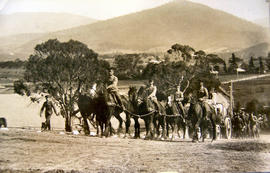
(26, 150)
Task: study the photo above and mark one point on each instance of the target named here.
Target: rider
(151, 93)
(113, 89)
(202, 97)
(178, 98)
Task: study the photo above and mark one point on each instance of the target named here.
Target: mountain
(257, 50)
(264, 22)
(19, 23)
(157, 29)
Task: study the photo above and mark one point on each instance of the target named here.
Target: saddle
(112, 100)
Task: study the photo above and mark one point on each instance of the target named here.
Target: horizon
(250, 10)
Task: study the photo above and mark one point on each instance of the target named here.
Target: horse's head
(142, 93)
(132, 92)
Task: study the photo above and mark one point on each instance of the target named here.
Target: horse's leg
(167, 127)
(98, 126)
(196, 131)
(127, 124)
(152, 126)
(119, 118)
(147, 127)
(138, 127)
(156, 126)
(173, 130)
(163, 127)
(85, 125)
(214, 128)
(112, 131)
(102, 128)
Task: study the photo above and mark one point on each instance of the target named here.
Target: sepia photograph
(127, 86)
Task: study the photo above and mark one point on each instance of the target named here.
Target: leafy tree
(175, 73)
(225, 67)
(233, 63)
(182, 51)
(267, 61)
(61, 69)
(251, 66)
(254, 106)
(129, 66)
(262, 68)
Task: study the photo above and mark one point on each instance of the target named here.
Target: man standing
(113, 89)
(49, 108)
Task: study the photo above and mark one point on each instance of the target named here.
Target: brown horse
(100, 107)
(202, 118)
(175, 119)
(143, 108)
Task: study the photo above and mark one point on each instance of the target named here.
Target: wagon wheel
(228, 127)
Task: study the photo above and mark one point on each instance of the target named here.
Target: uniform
(49, 107)
(151, 93)
(113, 90)
(178, 98)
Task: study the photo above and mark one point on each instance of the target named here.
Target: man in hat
(49, 108)
(151, 94)
(203, 97)
(178, 98)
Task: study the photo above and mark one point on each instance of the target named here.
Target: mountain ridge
(157, 29)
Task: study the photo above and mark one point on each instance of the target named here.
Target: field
(23, 148)
(28, 150)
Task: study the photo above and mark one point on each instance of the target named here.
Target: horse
(132, 107)
(201, 119)
(174, 119)
(145, 109)
(102, 108)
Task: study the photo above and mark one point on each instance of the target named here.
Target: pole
(231, 98)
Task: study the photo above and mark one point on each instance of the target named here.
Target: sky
(105, 9)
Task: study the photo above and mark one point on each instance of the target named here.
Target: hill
(157, 29)
(264, 22)
(257, 50)
(19, 23)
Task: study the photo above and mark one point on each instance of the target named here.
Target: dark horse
(175, 119)
(143, 108)
(200, 119)
(102, 107)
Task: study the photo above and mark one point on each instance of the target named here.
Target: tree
(61, 69)
(128, 66)
(261, 70)
(251, 66)
(233, 63)
(183, 52)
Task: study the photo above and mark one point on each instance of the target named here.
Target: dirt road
(26, 150)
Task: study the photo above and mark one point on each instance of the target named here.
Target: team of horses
(100, 109)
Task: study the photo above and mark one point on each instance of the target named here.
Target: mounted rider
(151, 91)
(179, 97)
(203, 97)
(113, 89)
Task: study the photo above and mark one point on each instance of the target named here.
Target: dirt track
(26, 150)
